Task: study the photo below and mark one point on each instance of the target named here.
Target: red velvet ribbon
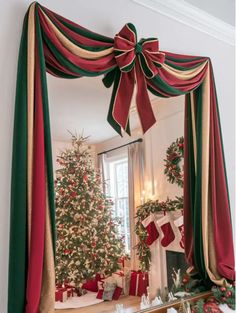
(137, 61)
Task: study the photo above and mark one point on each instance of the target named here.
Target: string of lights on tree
(88, 241)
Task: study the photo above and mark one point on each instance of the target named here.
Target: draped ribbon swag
(50, 43)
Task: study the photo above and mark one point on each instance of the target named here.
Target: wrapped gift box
(138, 283)
(122, 280)
(61, 294)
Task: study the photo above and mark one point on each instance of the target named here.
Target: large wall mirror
(132, 173)
(122, 216)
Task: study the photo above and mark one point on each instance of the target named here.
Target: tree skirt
(79, 302)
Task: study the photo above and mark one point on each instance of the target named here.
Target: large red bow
(137, 62)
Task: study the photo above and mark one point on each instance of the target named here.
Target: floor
(131, 305)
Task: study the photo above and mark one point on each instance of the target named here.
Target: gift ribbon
(137, 62)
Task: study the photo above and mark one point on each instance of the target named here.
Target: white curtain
(136, 186)
(102, 168)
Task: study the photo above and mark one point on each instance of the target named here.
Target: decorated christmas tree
(88, 241)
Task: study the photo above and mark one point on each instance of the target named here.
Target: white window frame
(112, 191)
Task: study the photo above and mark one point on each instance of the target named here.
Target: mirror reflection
(119, 204)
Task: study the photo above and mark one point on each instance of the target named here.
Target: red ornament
(73, 194)
(223, 299)
(222, 289)
(61, 191)
(93, 244)
(185, 279)
(85, 178)
(67, 251)
(212, 307)
(228, 294)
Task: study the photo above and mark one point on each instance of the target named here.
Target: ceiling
(222, 9)
(81, 105)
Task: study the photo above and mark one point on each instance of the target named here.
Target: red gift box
(138, 283)
(71, 290)
(61, 294)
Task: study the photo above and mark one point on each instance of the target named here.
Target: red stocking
(179, 223)
(169, 236)
(151, 229)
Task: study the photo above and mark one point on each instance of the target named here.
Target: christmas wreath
(174, 156)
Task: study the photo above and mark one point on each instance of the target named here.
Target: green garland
(144, 210)
(174, 155)
(220, 295)
(225, 294)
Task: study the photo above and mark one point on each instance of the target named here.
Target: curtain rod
(127, 144)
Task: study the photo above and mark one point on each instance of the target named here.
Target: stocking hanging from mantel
(51, 43)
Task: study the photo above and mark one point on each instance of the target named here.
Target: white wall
(107, 18)
(169, 126)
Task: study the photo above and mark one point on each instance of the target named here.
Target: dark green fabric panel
(197, 214)
(153, 91)
(182, 68)
(144, 66)
(18, 254)
(47, 132)
(110, 118)
(108, 79)
(165, 87)
(182, 60)
(59, 74)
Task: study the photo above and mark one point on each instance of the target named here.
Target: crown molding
(192, 16)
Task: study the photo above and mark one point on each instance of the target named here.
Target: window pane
(122, 179)
(118, 190)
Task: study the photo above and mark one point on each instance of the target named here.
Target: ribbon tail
(109, 78)
(143, 102)
(122, 100)
(110, 118)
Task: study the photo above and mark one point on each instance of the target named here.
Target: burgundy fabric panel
(223, 235)
(188, 228)
(51, 60)
(180, 84)
(123, 98)
(97, 65)
(188, 64)
(185, 56)
(144, 107)
(35, 268)
(156, 88)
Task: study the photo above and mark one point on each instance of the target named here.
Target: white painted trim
(192, 16)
